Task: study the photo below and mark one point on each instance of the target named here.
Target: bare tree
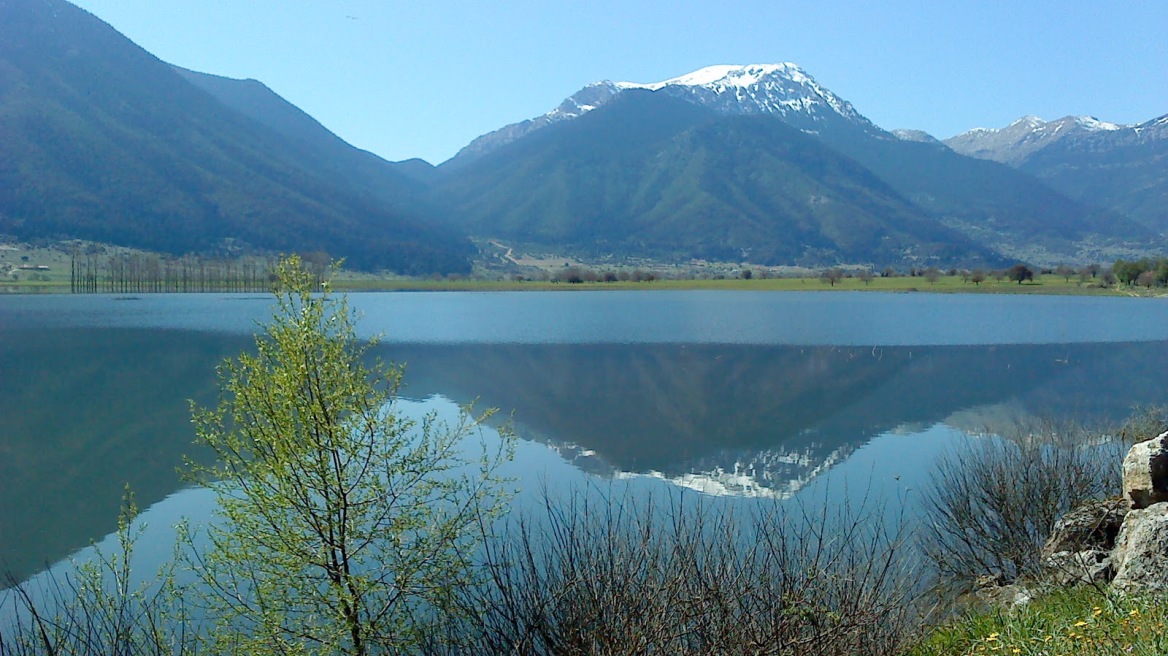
(832, 275)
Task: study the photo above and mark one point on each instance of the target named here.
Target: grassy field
(26, 269)
(1049, 284)
(56, 280)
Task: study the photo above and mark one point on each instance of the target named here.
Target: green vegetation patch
(1075, 621)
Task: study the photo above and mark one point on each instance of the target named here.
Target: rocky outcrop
(1140, 556)
(1004, 596)
(1124, 541)
(1079, 549)
(1094, 525)
(1141, 551)
(1121, 541)
(1145, 472)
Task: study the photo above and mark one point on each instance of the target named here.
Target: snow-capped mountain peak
(783, 90)
(724, 76)
(1025, 136)
(585, 100)
(1093, 124)
(1029, 121)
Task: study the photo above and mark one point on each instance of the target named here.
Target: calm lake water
(737, 394)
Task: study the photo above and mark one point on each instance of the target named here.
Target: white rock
(1145, 472)
(1141, 551)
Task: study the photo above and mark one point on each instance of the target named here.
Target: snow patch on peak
(1029, 120)
(1095, 125)
(783, 89)
(725, 76)
(914, 135)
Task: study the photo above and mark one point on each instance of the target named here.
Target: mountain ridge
(652, 174)
(1026, 135)
(988, 202)
(105, 142)
(1121, 167)
(783, 88)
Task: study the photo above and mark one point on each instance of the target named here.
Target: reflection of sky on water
(883, 469)
(644, 317)
(740, 393)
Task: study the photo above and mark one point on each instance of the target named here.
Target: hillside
(396, 184)
(649, 174)
(1120, 167)
(102, 141)
(998, 207)
(753, 188)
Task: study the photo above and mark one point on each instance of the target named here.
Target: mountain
(915, 135)
(581, 102)
(995, 205)
(103, 141)
(393, 183)
(508, 183)
(1013, 143)
(650, 174)
(674, 410)
(780, 89)
(1121, 167)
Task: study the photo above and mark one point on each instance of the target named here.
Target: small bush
(591, 574)
(98, 608)
(991, 504)
(1144, 424)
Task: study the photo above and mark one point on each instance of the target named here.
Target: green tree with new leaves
(342, 527)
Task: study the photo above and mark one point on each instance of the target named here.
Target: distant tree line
(1017, 273)
(1145, 272)
(140, 273)
(576, 275)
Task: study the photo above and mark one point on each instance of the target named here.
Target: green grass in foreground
(1078, 621)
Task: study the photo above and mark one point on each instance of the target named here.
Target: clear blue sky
(421, 78)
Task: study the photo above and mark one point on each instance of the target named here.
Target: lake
(735, 394)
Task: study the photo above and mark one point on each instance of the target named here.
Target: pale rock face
(1145, 472)
(1141, 551)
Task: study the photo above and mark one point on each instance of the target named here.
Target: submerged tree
(342, 527)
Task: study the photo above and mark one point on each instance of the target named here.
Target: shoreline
(1049, 285)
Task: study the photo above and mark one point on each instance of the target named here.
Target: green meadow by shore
(1045, 284)
(31, 270)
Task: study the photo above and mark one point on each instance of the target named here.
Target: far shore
(1049, 284)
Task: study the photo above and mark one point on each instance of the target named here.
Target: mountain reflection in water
(765, 420)
(89, 410)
